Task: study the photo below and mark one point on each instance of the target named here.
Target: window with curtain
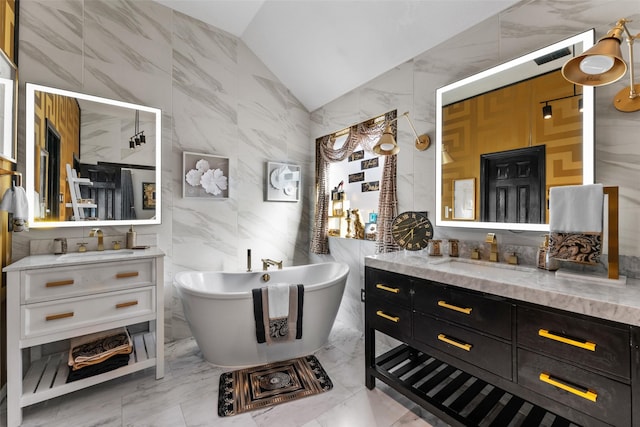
(360, 137)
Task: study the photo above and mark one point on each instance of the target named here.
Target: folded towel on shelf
(114, 362)
(271, 329)
(96, 348)
(15, 202)
(575, 223)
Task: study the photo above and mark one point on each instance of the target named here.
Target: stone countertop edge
(50, 260)
(528, 284)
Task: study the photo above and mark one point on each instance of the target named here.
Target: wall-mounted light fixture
(446, 157)
(603, 64)
(547, 111)
(387, 144)
(138, 137)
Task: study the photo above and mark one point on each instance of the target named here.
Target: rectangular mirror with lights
(517, 129)
(87, 159)
(8, 108)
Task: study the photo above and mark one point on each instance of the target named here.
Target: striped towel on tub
(278, 314)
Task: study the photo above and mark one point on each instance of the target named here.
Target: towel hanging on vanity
(575, 223)
(15, 202)
(277, 311)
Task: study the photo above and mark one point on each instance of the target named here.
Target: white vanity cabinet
(51, 299)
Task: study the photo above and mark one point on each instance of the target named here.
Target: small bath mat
(266, 385)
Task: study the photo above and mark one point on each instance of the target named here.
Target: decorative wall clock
(412, 230)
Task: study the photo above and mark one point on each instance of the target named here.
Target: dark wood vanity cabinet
(478, 359)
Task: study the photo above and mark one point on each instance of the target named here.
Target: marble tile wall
(216, 98)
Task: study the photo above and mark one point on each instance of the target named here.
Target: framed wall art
(464, 199)
(148, 195)
(282, 182)
(205, 176)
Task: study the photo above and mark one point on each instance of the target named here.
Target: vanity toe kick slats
(456, 394)
(47, 377)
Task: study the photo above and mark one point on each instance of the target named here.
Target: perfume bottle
(545, 262)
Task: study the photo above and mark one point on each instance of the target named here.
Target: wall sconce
(603, 64)
(387, 145)
(446, 157)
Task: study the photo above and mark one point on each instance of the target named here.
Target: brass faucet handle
(491, 238)
(82, 246)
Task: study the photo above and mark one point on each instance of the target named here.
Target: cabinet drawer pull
(382, 314)
(127, 274)
(127, 304)
(388, 289)
(444, 338)
(581, 344)
(59, 283)
(464, 310)
(584, 393)
(59, 316)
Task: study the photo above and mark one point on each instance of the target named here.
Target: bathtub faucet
(266, 262)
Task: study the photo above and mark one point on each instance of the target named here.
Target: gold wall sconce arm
(387, 145)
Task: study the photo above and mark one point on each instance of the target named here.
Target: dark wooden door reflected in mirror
(512, 186)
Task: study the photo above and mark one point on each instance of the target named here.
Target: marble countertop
(605, 300)
(75, 258)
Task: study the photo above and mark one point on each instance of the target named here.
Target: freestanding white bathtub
(218, 307)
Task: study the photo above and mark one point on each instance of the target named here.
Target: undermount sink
(97, 254)
(463, 262)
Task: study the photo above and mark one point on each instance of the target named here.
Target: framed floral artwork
(205, 176)
(282, 182)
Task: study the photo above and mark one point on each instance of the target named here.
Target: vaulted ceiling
(322, 49)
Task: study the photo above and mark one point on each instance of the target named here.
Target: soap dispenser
(544, 260)
(131, 238)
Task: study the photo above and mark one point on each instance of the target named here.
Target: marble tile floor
(187, 396)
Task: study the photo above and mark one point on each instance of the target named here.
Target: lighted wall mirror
(90, 160)
(8, 108)
(492, 130)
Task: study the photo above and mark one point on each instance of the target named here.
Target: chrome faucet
(97, 232)
(266, 262)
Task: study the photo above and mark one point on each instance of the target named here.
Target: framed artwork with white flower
(205, 176)
(282, 182)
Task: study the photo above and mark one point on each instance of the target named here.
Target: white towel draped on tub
(277, 310)
(575, 223)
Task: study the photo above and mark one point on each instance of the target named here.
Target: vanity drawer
(488, 314)
(391, 287)
(593, 394)
(64, 282)
(487, 353)
(581, 341)
(391, 319)
(65, 315)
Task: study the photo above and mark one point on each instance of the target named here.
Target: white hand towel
(576, 208)
(278, 297)
(15, 201)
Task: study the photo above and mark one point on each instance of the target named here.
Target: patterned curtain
(366, 136)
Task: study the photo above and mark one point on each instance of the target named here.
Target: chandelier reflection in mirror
(138, 137)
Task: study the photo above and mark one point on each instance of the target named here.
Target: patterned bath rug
(266, 385)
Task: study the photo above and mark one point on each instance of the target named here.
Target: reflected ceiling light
(603, 64)
(387, 145)
(547, 112)
(138, 137)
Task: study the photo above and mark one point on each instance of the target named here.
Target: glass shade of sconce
(387, 145)
(547, 111)
(603, 64)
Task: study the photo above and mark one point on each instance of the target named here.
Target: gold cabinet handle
(59, 316)
(464, 346)
(127, 304)
(127, 274)
(59, 283)
(585, 394)
(384, 315)
(464, 310)
(581, 344)
(387, 288)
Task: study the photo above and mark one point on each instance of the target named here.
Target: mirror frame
(29, 180)
(588, 128)
(9, 146)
